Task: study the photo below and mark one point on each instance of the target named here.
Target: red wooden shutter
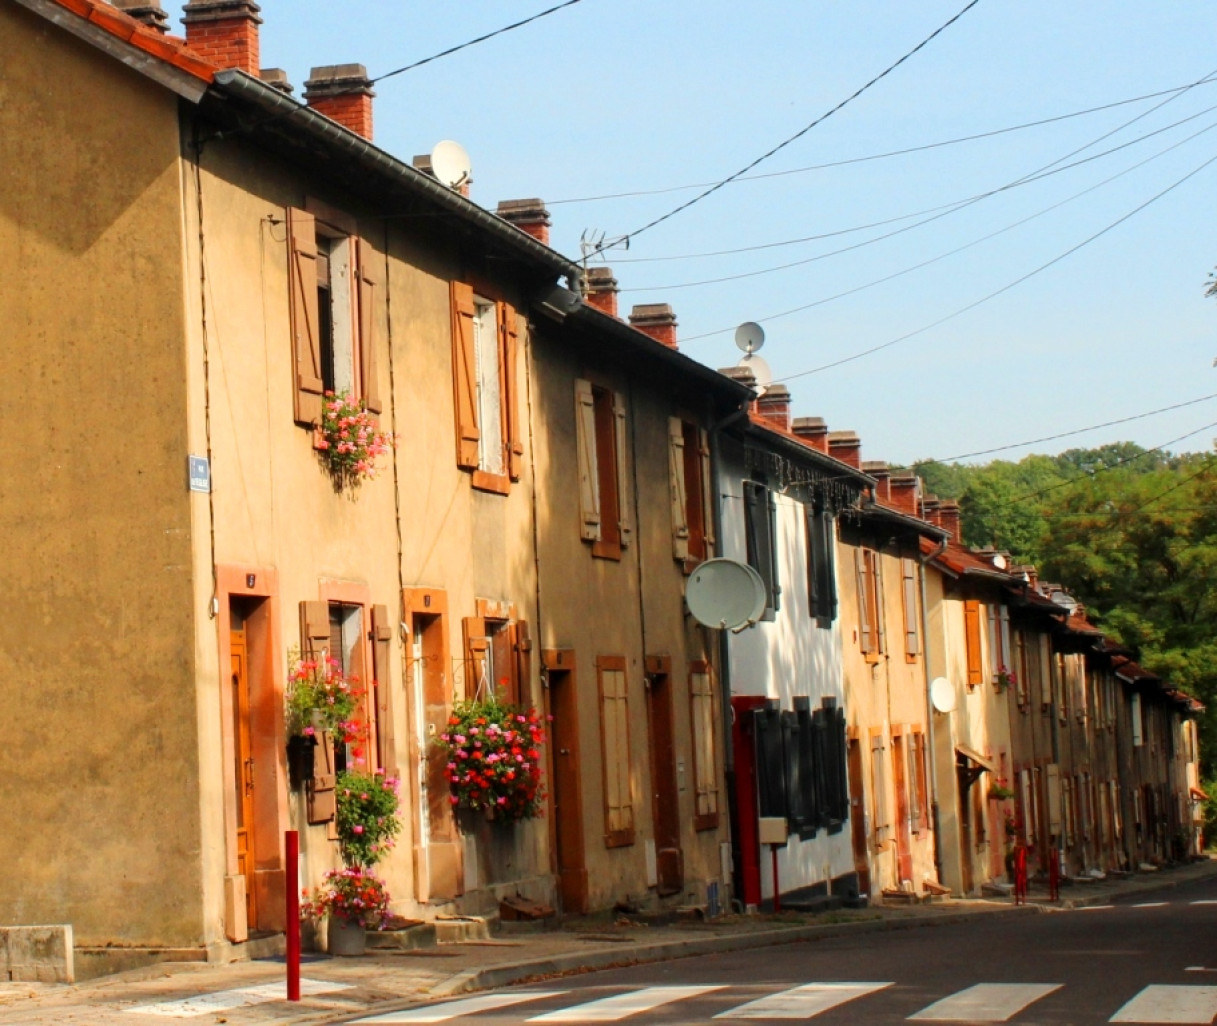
(365, 260)
(509, 343)
(477, 666)
(465, 376)
(302, 293)
(971, 630)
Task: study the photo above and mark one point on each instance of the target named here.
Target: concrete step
(403, 938)
(461, 929)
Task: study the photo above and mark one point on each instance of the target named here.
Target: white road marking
(1093, 908)
(619, 1006)
(987, 1002)
(466, 1006)
(1160, 1003)
(1205, 901)
(802, 1002)
(1150, 904)
(223, 1000)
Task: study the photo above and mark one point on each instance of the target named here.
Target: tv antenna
(592, 243)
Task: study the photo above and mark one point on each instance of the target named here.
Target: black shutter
(825, 551)
(807, 771)
(770, 761)
(796, 806)
(820, 758)
(838, 769)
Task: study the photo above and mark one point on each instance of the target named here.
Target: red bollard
(1020, 875)
(1054, 875)
(292, 846)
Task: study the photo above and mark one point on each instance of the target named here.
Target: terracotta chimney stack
(225, 32)
(906, 492)
(656, 320)
(147, 11)
(882, 474)
(845, 446)
(774, 406)
(930, 510)
(948, 512)
(529, 215)
(602, 290)
(343, 93)
(813, 431)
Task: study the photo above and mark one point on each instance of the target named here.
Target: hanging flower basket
(301, 759)
(493, 759)
(321, 697)
(349, 440)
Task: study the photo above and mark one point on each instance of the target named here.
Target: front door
(243, 773)
(665, 800)
(564, 788)
(857, 816)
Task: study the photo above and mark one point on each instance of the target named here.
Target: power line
(479, 39)
(874, 156)
(800, 133)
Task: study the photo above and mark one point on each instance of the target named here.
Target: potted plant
(349, 440)
(352, 901)
(1003, 679)
(319, 697)
(367, 816)
(999, 791)
(493, 759)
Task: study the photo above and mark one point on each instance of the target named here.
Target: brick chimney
(744, 375)
(656, 320)
(931, 510)
(948, 512)
(906, 492)
(602, 290)
(343, 93)
(277, 78)
(813, 431)
(529, 215)
(774, 406)
(845, 446)
(147, 11)
(882, 474)
(225, 32)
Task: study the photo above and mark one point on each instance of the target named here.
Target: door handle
(249, 776)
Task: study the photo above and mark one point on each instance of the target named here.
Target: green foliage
(367, 816)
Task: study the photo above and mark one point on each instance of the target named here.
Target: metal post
(292, 847)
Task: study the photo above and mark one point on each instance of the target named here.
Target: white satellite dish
(762, 374)
(725, 593)
(942, 695)
(999, 561)
(450, 163)
(749, 337)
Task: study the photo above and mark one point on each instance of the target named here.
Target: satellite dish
(749, 337)
(942, 695)
(761, 371)
(725, 593)
(450, 163)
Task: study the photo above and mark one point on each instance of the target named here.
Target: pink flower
(357, 828)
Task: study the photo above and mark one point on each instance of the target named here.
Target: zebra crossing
(980, 1003)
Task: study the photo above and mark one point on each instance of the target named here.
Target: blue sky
(625, 96)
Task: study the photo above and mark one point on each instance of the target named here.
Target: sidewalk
(251, 992)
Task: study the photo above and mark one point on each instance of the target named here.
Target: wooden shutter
(621, 450)
(521, 646)
(302, 295)
(1047, 668)
(876, 561)
(477, 658)
(509, 345)
(614, 732)
(971, 633)
(707, 491)
(366, 276)
(382, 638)
(589, 471)
(879, 777)
(866, 631)
(705, 746)
(314, 643)
(908, 575)
(465, 376)
(676, 482)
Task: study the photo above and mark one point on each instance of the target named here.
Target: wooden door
(857, 816)
(904, 841)
(963, 783)
(665, 799)
(564, 789)
(243, 774)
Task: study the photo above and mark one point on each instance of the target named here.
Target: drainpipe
(929, 710)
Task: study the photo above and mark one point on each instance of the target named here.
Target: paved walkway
(253, 992)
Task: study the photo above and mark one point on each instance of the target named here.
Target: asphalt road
(1150, 960)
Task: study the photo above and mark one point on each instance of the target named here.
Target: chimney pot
(846, 446)
(277, 78)
(813, 431)
(744, 375)
(343, 93)
(224, 32)
(149, 12)
(602, 290)
(656, 320)
(529, 215)
(774, 406)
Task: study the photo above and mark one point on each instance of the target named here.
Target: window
(908, 578)
(821, 569)
(871, 633)
(600, 435)
(760, 528)
(615, 751)
(1000, 655)
(485, 344)
(692, 492)
(1020, 670)
(332, 288)
(1138, 725)
(919, 806)
(496, 657)
(705, 748)
(971, 637)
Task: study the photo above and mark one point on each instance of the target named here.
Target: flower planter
(346, 937)
(301, 760)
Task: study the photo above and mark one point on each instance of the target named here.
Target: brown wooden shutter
(367, 278)
(314, 644)
(382, 638)
(677, 487)
(477, 649)
(509, 343)
(908, 574)
(705, 746)
(522, 647)
(465, 376)
(302, 294)
(621, 450)
(865, 628)
(589, 473)
(614, 726)
(971, 631)
(707, 491)
(876, 562)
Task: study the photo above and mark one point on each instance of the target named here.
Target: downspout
(929, 710)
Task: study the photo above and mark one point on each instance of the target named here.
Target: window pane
(490, 388)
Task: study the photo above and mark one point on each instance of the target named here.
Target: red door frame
(743, 747)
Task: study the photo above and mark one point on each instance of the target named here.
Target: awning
(971, 764)
(1198, 795)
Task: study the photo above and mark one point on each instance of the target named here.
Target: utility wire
(874, 156)
(479, 39)
(798, 135)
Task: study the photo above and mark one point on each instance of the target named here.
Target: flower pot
(346, 937)
(300, 760)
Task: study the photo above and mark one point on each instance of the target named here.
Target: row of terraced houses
(196, 256)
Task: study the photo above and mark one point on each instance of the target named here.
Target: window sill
(911, 657)
(607, 550)
(619, 838)
(708, 821)
(484, 481)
